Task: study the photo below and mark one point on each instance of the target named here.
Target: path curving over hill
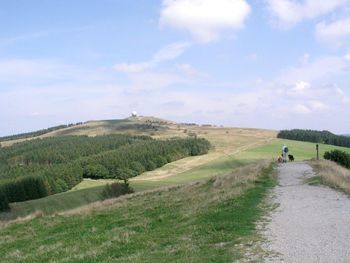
(310, 224)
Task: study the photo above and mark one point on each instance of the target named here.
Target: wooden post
(318, 157)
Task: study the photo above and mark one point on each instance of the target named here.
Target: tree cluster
(325, 137)
(37, 168)
(134, 159)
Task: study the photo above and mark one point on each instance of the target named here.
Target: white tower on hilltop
(134, 114)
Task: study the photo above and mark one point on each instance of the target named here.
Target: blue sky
(261, 63)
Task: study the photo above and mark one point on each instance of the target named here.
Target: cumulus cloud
(204, 19)
(289, 12)
(335, 31)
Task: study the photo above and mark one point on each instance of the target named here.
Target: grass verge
(331, 174)
(198, 222)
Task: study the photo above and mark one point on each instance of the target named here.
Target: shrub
(339, 157)
(115, 190)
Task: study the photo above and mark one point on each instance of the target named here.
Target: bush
(115, 190)
(339, 157)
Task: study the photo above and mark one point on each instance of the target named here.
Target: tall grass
(331, 174)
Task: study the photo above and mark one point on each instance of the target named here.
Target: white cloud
(131, 68)
(301, 109)
(147, 81)
(167, 53)
(300, 87)
(334, 31)
(317, 105)
(204, 19)
(171, 51)
(306, 58)
(290, 12)
(14, 71)
(339, 91)
(190, 71)
(322, 69)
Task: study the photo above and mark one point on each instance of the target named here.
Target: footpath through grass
(200, 222)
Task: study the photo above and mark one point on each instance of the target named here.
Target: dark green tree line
(325, 137)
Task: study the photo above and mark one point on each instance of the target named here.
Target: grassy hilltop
(196, 209)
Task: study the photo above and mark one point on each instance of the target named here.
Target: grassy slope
(234, 147)
(197, 222)
(224, 164)
(226, 142)
(194, 223)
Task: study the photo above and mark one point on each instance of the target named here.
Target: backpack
(285, 149)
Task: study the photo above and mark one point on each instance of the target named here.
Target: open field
(196, 222)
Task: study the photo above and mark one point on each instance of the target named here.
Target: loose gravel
(310, 224)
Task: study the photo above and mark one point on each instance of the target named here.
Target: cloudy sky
(243, 63)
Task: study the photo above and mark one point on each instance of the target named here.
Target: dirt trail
(311, 223)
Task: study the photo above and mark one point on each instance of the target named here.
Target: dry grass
(332, 174)
(226, 186)
(36, 214)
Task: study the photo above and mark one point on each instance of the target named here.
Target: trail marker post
(317, 152)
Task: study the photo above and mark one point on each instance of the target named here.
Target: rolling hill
(197, 208)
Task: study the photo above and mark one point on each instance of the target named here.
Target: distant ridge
(38, 132)
(150, 119)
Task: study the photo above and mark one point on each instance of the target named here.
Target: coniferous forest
(41, 167)
(325, 137)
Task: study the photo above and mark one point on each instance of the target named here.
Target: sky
(275, 64)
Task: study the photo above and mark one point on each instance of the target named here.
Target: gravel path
(310, 224)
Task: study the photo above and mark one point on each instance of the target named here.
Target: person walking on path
(284, 153)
